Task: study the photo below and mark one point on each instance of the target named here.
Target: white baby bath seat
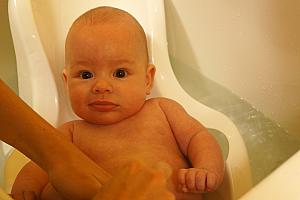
(39, 28)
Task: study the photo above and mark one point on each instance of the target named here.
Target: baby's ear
(65, 77)
(150, 73)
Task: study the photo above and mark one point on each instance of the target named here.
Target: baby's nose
(102, 86)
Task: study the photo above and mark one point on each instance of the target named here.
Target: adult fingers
(164, 168)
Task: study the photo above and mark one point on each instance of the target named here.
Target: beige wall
(250, 47)
(8, 71)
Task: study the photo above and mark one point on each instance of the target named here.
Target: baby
(108, 78)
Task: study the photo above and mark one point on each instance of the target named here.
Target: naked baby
(108, 78)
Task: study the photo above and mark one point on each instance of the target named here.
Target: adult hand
(75, 176)
(138, 182)
(134, 182)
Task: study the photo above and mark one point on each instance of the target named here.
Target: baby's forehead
(102, 15)
(124, 25)
(111, 20)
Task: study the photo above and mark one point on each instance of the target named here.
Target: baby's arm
(199, 146)
(30, 179)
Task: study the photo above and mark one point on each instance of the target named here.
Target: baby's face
(107, 75)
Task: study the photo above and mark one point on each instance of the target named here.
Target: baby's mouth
(103, 106)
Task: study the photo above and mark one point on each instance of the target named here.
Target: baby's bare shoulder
(166, 103)
(67, 129)
(163, 101)
(71, 124)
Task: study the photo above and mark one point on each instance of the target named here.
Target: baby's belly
(175, 159)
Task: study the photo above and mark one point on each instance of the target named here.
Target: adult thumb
(164, 168)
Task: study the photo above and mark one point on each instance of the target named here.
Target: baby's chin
(104, 120)
(107, 117)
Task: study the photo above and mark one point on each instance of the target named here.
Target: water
(267, 143)
(222, 141)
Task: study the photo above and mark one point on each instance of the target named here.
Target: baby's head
(107, 71)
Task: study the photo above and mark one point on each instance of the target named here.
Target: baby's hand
(197, 180)
(26, 195)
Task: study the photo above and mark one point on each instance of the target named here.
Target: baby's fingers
(211, 180)
(26, 195)
(181, 179)
(197, 180)
(190, 180)
(187, 180)
(201, 181)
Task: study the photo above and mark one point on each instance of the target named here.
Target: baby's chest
(148, 143)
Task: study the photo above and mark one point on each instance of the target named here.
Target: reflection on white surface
(268, 144)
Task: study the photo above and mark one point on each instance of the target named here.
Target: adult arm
(24, 129)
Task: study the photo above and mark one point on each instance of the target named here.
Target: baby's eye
(86, 75)
(120, 73)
